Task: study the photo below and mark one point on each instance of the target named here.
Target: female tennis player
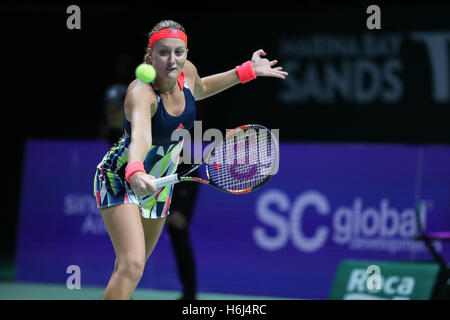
(133, 209)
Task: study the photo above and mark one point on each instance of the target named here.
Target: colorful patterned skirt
(111, 187)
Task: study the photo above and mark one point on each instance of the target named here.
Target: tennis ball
(145, 73)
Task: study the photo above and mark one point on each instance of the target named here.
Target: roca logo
(283, 220)
(401, 286)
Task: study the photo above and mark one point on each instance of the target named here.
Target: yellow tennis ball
(145, 73)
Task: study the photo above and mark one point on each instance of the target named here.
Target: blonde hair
(164, 24)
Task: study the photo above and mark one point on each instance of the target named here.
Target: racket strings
(243, 160)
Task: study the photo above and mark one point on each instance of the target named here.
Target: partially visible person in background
(112, 128)
(182, 207)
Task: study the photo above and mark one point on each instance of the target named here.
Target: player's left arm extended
(211, 85)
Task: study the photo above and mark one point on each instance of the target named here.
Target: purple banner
(60, 224)
(328, 202)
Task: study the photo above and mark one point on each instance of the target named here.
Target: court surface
(38, 291)
(11, 290)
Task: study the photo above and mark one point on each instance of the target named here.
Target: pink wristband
(246, 72)
(132, 168)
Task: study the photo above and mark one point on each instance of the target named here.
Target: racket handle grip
(165, 181)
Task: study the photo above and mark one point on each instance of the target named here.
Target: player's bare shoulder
(140, 95)
(140, 89)
(190, 71)
(190, 75)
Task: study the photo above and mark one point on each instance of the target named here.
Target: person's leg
(115, 268)
(178, 228)
(125, 230)
(152, 230)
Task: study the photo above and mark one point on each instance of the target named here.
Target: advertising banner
(60, 224)
(381, 280)
(327, 203)
(346, 82)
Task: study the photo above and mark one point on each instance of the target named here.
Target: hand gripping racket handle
(165, 181)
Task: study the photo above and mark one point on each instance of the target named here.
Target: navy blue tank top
(163, 124)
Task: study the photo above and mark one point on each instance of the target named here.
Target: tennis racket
(243, 161)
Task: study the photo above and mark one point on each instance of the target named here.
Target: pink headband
(167, 33)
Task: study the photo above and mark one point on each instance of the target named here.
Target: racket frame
(182, 176)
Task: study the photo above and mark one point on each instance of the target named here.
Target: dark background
(54, 78)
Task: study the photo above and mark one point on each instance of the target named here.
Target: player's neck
(166, 87)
